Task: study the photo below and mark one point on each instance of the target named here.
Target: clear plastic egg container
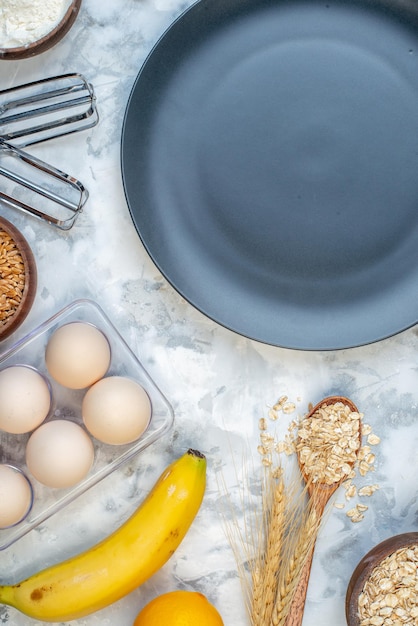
(66, 404)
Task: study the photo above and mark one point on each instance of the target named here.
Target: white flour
(25, 21)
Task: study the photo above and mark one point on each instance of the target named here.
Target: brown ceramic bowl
(13, 314)
(367, 565)
(47, 41)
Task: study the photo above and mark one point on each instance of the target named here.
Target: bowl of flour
(29, 27)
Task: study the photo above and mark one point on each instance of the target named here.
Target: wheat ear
(306, 536)
(263, 599)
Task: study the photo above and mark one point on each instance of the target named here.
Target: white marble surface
(219, 383)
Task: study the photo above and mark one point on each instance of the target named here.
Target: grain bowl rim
(31, 279)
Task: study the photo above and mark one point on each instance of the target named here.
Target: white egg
(59, 453)
(77, 355)
(15, 496)
(116, 410)
(25, 399)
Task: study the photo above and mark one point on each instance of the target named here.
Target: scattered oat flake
(273, 415)
(289, 407)
(267, 439)
(262, 424)
(351, 492)
(280, 402)
(289, 449)
(364, 468)
(363, 452)
(362, 507)
(373, 439)
(356, 513)
(280, 446)
(368, 490)
(370, 458)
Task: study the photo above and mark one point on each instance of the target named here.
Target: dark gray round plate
(270, 164)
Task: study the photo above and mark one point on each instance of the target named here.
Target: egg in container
(25, 399)
(59, 453)
(16, 496)
(116, 410)
(77, 355)
(26, 451)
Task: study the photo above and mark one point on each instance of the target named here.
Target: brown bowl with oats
(382, 589)
(18, 278)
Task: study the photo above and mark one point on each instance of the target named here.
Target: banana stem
(7, 595)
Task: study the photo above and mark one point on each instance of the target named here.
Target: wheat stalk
(294, 562)
(243, 528)
(267, 537)
(265, 577)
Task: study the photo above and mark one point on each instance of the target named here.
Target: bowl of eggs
(382, 588)
(18, 278)
(30, 27)
(75, 403)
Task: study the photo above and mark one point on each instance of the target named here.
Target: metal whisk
(47, 108)
(33, 113)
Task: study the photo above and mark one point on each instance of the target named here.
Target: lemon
(179, 608)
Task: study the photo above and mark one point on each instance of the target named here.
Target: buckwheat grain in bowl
(18, 278)
(383, 590)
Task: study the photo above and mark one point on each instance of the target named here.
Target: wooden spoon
(320, 495)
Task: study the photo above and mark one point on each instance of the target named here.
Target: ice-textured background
(219, 383)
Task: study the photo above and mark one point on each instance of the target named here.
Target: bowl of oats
(383, 588)
(18, 278)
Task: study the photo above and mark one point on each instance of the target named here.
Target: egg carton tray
(66, 403)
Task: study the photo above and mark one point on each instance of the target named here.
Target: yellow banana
(121, 562)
